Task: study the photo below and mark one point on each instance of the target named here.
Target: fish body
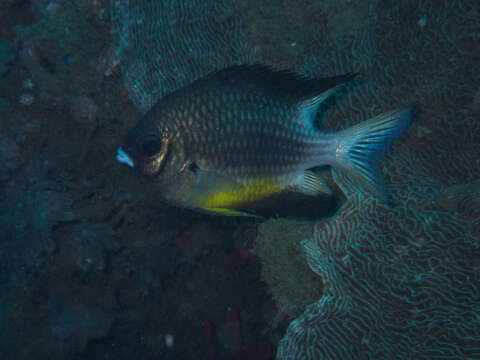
(247, 133)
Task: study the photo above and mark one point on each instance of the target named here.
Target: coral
(279, 31)
(7, 54)
(67, 208)
(4, 104)
(31, 205)
(59, 48)
(291, 283)
(8, 3)
(346, 16)
(23, 129)
(380, 267)
(463, 198)
(71, 319)
(476, 102)
(84, 111)
(401, 280)
(90, 244)
(78, 315)
(28, 219)
(10, 157)
(141, 259)
(26, 99)
(165, 45)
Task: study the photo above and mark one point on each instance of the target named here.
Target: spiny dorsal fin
(293, 85)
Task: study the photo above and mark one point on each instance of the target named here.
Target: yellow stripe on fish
(251, 190)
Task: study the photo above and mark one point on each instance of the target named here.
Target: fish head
(151, 150)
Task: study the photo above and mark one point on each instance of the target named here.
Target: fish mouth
(124, 158)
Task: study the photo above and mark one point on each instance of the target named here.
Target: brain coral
(164, 45)
(401, 280)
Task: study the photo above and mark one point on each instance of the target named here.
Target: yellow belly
(226, 200)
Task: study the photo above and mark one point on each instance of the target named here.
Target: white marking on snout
(123, 158)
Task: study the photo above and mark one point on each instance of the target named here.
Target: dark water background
(94, 266)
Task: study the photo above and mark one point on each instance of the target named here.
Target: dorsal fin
(293, 85)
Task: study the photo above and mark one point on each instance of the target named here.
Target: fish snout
(124, 158)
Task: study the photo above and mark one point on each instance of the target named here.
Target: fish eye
(151, 146)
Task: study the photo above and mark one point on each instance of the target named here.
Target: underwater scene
(239, 179)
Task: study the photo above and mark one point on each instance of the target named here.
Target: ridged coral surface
(94, 266)
(401, 279)
(164, 45)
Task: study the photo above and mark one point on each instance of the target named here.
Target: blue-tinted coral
(7, 54)
(10, 157)
(164, 45)
(90, 244)
(401, 282)
(60, 51)
(402, 279)
(26, 221)
(30, 206)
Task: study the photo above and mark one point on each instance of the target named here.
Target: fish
(248, 133)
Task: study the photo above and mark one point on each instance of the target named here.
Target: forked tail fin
(361, 146)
